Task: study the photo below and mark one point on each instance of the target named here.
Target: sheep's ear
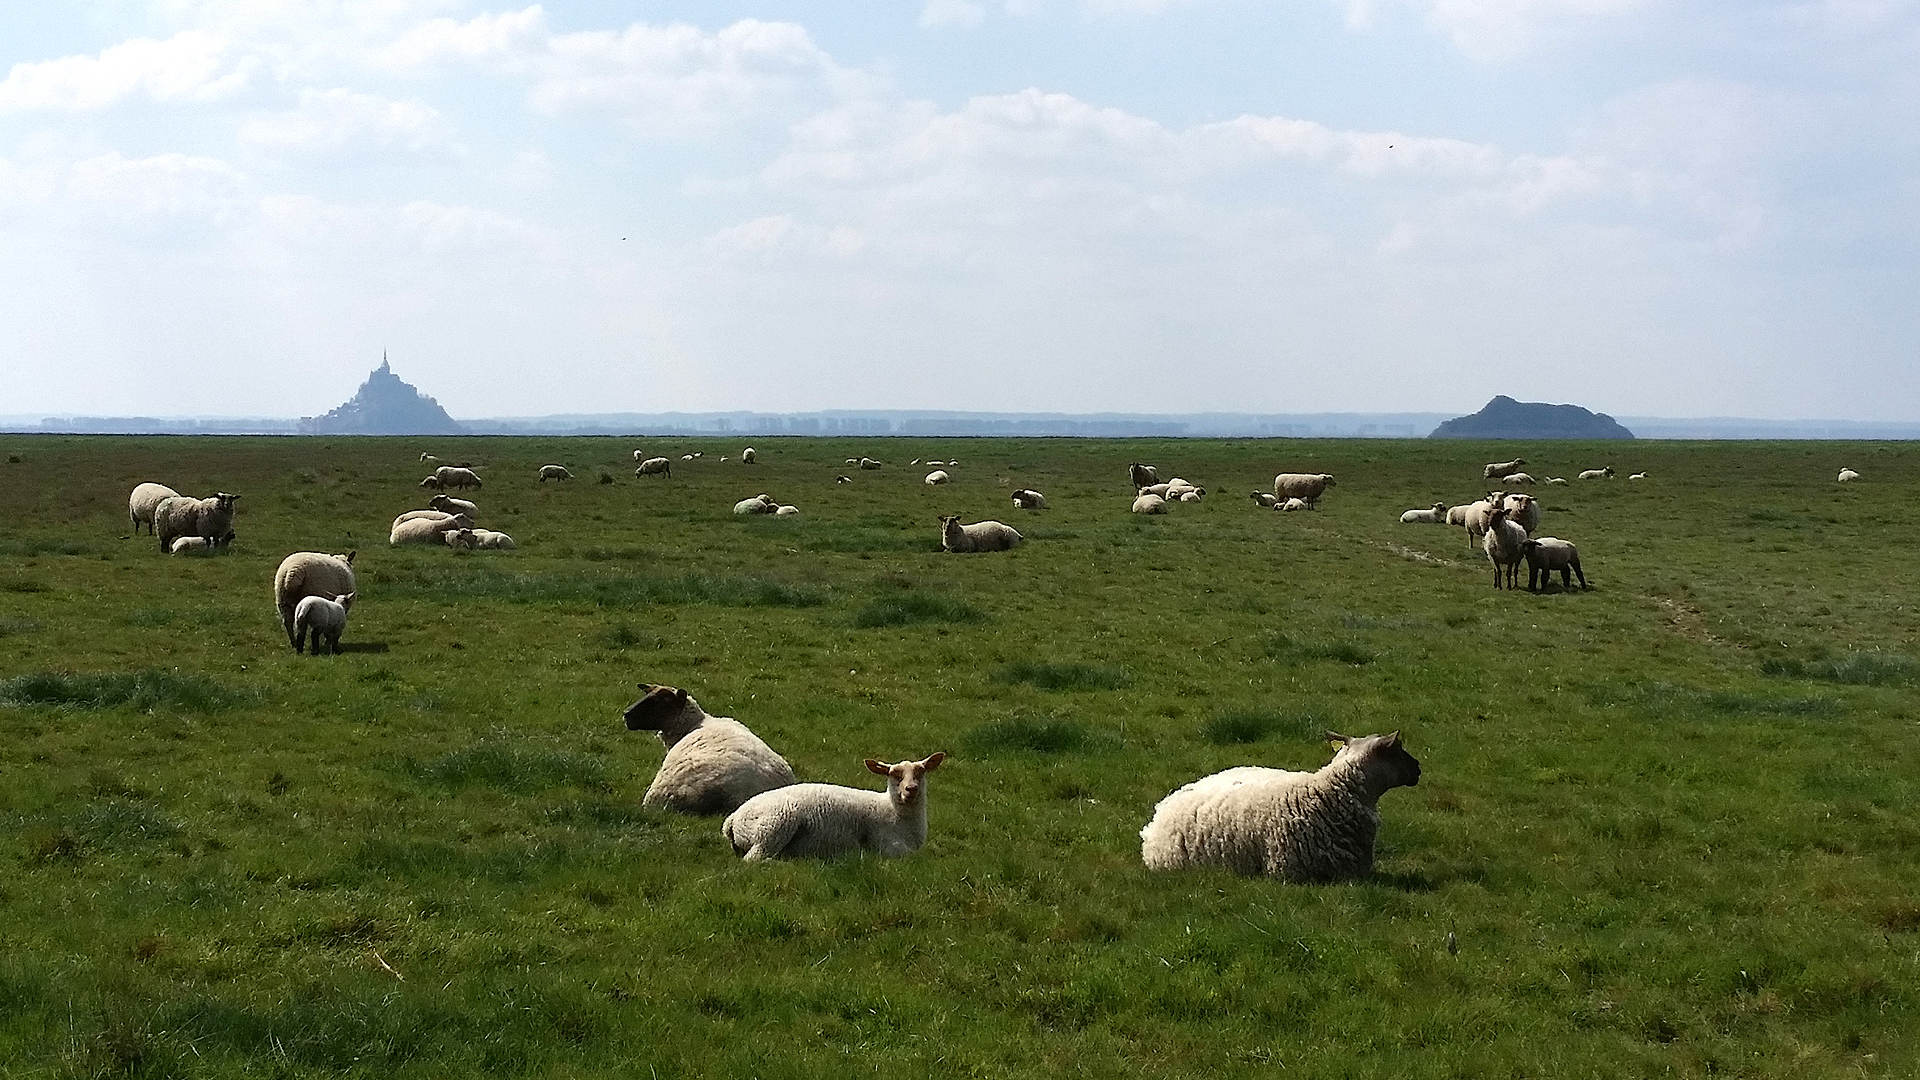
(1337, 739)
(933, 761)
(1393, 738)
(881, 767)
(351, 554)
(681, 697)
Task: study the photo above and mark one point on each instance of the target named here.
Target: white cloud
(190, 66)
(329, 120)
(938, 13)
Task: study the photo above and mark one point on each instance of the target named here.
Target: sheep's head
(345, 600)
(657, 706)
(1439, 508)
(224, 500)
(1384, 761)
(907, 780)
(1529, 545)
(431, 483)
(948, 521)
(348, 557)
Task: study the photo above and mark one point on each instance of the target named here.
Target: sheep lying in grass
(824, 821)
(1519, 478)
(937, 477)
(785, 510)
(1148, 503)
(1308, 486)
(1847, 476)
(1029, 499)
(869, 463)
(1300, 827)
(1496, 470)
(424, 456)
(1597, 474)
(459, 539)
(181, 516)
(1264, 499)
(1293, 504)
(447, 504)
(324, 618)
(191, 545)
(1638, 476)
(1556, 479)
(654, 466)
(417, 515)
(1164, 491)
(141, 504)
(489, 540)
(759, 504)
(1547, 554)
(1505, 545)
(554, 472)
(1437, 515)
(309, 573)
(1142, 475)
(979, 536)
(427, 530)
(713, 763)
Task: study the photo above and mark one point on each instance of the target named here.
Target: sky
(1645, 207)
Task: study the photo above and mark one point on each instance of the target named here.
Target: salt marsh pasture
(1667, 826)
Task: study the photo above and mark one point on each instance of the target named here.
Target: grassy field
(1669, 822)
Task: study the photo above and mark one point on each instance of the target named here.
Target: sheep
(554, 472)
(326, 618)
(826, 820)
(459, 539)
(489, 540)
(1847, 476)
(1504, 543)
(141, 504)
(748, 457)
(415, 515)
(1547, 554)
(448, 476)
(309, 573)
(424, 456)
(1300, 827)
(1638, 476)
(1519, 478)
(639, 456)
(936, 478)
(1165, 491)
(655, 466)
(786, 511)
(713, 763)
(1597, 474)
(869, 463)
(1497, 469)
(1556, 479)
(1292, 505)
(179, 516)
(190, 545)
(1524, 509)
(686, 457)
(979, 536)
(759, 504)
(1435, 516)
(1191, 495)
(447, 504)
(1177, 485)
(1264, 499)
(1457, 515)
(1149, 503)
(1475, 517)
(1029, 499)
(843, 479)
(1308, 486)
(426, 530)
(1143, 475)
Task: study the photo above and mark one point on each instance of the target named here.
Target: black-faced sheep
(1142, 475)
(979, 536)
(713, 763)
(824, 821)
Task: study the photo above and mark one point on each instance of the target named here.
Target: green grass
(1667, 822)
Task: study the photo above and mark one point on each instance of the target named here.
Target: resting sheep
(785, 510)
(182, 516)
(489, 540)
(1496, 470)
(309, 573)
(141, 504)
(1547, 554)
(1029, 499)
(447, 504)
(869, 463)
(937, 477)
(1519, 478)
(554, 472)
(1297, 826)
(979, 536)
(427, 530)
(1435, 516)
(1556, 479)
(1292, 505)
(759, 504)
(1505, 545)
(459, 539)
(1847, 476)
(824, 821)
(1308, 486)
(324, 617)
(191, 545)
(1162, 490)
(654, 466)
(713, 763)
(1264, 499)
(1638, 476)
(1597, 474)
(1149, 503)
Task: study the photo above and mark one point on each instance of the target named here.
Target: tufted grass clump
(917, 607)
(153, 689)
(1064, 677)
(1037, 735)
(1859, 668)
(1231, 727)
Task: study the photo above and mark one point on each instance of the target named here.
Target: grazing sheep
(1505, 545)
(1638, 476)
(747, 456)
(1597, 474)
(424, 456)
(141, 504)
(1847, 476)
(655, 466)
(1264, 499)
(1029, 499)
(459, 539)
(713, 763)
(1143, 475)
(182, 516)
(449, 476)
(1547, 554)
(869, 463)
(759, 504)
(1435, 516)
(324, 617)
(447, 504)
(843, 479)
(554, 472)
(191, 545)
(824, 821)
(309, 573)
(1297, 826)
(1149, 503)
(427, 530)
(1308, 486)
(979, 536)
(1292, 505)
(1556, 479)
(1496, 470)
(1524, 509)
(936, 477)
(1519, 478)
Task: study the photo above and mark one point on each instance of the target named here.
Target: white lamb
(424, 456)
(825, 821)
(427, 530)
(1638, 476)
(309, 573)
(182, 516)
(1308, 486)
(1165, 490)
(1505, 545)
(1294, 504)
(1597, 474)
(141, 504)
(785, 510)
(654, 466)
(191, 545)
(1435, 516)
(459, 539)
(489, 540)
(324, 618)
(447, 504)
(1519, 478)
(1149, 503)
(1264, 499)
(1547, 554)
(979, 536)
(936, 477)
(554, 472)
(1298, 826)
(713, 763)
(1029, 499)
(1556, 479)
(759, 504)
(1847, 476)
(1496, 470)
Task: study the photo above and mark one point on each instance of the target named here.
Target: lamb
(179, 516)
(1638, 476)
(450, 476)
(191, 545)
(1165, 491)
(489, 540)
(1143, 475)
(1519, 478)
(459, 539)
(141, 504)
(1597, 474)
(1308, 486)
(686, 457)
(655, 466)
(1498, 469)
(979, 536)
(1029, 499)
(1192, 494)
(1524, 509)
(759, 504)
(937, 477)
(415, 515)
(747, 456)
(427, 530)
(554, 472)
(869, 463)
(843, 479)
(1547, 554)
(826, 820)
(713, 763)
(1149, 503)
(1292, 505)
(786, 511)
(447, 504)
(424, 456)
(1300, 827)
(1264, 499)
(1435, 516)
(309, 573)
(1556, 479)
(1504, 543)
(326, 618)
(1847, 476)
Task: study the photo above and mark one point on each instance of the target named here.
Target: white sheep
(1029, 499)
(1457, 515)
(1300, 827)
(686, 457)
(759, 504)
(869, 463)
(1264, 499)
(489, 540)
(785, 510)
(324, 617)
(1496, 470)
(141, 504)
(182, 516)
(309, 573)
(459, 539)
(554, 472)
(824, 821)
(415, 515)
(1476, 514)
(1293, 504)
(1143, 475)
(713, 763)
(655, 466)
(1638, 476)
(1308, 486)
(1165, 490)
(1524, 509)
(937, 477)
(1437, 515)
(748, 457)
(427, 530)
(1597, 474)
(447, 504)
(1148, 503)
(979, 536)
(1847, 476)
(1192, 494)
(1547, 554)
(843, 479)
(424, 456)
(449, 476)
(1519, 478)
(191, 545)
(1556, 479)
(1505, 545)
